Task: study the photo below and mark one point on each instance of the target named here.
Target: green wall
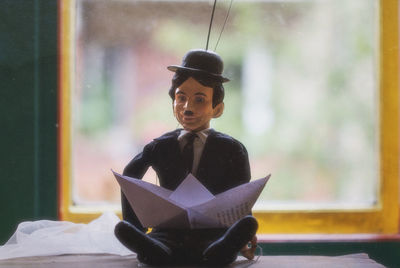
(28, 112)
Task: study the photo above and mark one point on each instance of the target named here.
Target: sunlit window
(302, 97)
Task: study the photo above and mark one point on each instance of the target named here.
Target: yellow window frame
(381, 219)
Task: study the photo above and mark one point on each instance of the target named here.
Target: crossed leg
(153, 249)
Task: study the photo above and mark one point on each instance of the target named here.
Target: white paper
(191, 192)
(191, 205)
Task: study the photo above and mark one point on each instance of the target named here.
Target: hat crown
(203, 60)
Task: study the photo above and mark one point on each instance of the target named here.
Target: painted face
(193, 105)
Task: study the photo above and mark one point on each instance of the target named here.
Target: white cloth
(49, 238)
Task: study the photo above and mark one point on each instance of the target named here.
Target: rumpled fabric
(49, 238)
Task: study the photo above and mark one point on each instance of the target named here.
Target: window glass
(302, 97)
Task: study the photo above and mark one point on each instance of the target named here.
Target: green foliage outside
(321, 143)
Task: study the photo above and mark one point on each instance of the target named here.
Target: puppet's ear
(173, 107)
(218, 110)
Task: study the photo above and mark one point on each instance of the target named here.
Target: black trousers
(187, 246)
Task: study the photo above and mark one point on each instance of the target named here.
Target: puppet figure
(217, 160)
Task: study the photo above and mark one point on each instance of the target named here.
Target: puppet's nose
(188, 106)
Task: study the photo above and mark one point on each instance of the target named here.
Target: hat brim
(217, 77)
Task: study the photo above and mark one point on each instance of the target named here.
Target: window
(313, 97)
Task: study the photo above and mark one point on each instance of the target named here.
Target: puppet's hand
(248, 251)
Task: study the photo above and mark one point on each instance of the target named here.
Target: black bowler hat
(204, 62)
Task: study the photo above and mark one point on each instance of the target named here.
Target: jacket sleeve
(136, 168)
(240, 164)
(241, 161)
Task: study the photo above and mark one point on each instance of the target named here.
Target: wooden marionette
(218, 161)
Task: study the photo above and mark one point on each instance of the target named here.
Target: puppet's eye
(181, 98)
(199, 99)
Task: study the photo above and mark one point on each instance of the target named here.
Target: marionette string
(223, 26)
(260, 254)
(211, 21)
(251, 262)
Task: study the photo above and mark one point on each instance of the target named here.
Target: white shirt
(198, 145)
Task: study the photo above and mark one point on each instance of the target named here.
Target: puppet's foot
(149, 250)
(224, 250)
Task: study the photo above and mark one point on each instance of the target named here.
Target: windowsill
(323, 238)
(381, 248)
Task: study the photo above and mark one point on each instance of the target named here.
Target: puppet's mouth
(189, 118)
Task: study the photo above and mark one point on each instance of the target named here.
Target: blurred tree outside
(302, 97)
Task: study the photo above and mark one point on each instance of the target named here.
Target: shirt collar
(203, 134)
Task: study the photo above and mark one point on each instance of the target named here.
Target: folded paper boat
(191, 205)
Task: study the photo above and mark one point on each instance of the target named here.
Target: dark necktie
(188, 151)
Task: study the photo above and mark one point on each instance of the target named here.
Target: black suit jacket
(224, 164)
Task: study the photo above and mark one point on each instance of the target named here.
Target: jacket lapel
(171, 141)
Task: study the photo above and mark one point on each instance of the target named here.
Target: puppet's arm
(136, 168)
(240, 166)
(242, 175)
